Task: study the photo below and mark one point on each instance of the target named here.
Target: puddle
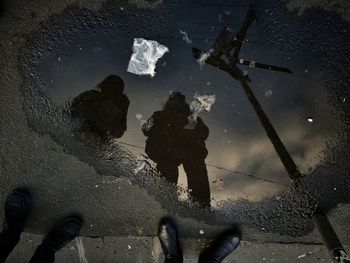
(73, 56)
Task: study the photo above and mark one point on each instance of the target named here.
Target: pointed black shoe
(63, 233)
(169, 239)
(17, 207)
(221, 248)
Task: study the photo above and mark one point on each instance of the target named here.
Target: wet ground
(53, 54)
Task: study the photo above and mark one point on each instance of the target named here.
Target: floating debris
(228, 12)
(145, 56)
(140, 165)
(219, 184)
(139, 116)
(185, 37)
(310, 119)
(199, 104)
(147, 125)
(268, 93)
(203, 57)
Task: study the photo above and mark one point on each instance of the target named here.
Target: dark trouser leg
(43, 255)
(198, 182)
(9, 238)
(169, 170)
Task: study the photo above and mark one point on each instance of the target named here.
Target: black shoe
(169, 239)
(221, 248)
(17, 207)
(63, 233)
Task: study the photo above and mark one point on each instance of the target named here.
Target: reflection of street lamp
(236, 73)
(334, 246)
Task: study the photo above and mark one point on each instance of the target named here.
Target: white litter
(145, 56)
(199, 104)
(268, 93)
(185, 37)
(147, 125)
(139, 116)
(310, 119)
(81, 250)
(228, 12)
(203, 58)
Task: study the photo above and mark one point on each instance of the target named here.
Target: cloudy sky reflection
(237, 144)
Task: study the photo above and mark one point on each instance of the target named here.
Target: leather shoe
(169, 239)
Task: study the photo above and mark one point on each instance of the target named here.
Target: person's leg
(57, 238)
(169, 170)
(17, 207)
(198, 182)
(221, 248)
(169, 240)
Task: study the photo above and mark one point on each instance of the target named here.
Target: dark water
(240, 153)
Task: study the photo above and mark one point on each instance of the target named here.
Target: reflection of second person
(171, 142)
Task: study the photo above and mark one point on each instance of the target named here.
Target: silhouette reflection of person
(170, 143)
(104, 110)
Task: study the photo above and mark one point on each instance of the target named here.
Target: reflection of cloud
(236, 141)
(252, 152)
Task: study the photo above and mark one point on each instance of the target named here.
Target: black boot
(17, 207)
(169, 239)
(63, 233)
(221, 248)
(57, 238)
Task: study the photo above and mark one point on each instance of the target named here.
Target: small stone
(310, 119)
(268, 93)
(201, 231)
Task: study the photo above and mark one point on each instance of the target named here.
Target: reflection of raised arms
(227, 41)
(250, 17)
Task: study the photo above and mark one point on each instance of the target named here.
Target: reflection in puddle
(103, 112)
(170, 143)
(241, 160)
